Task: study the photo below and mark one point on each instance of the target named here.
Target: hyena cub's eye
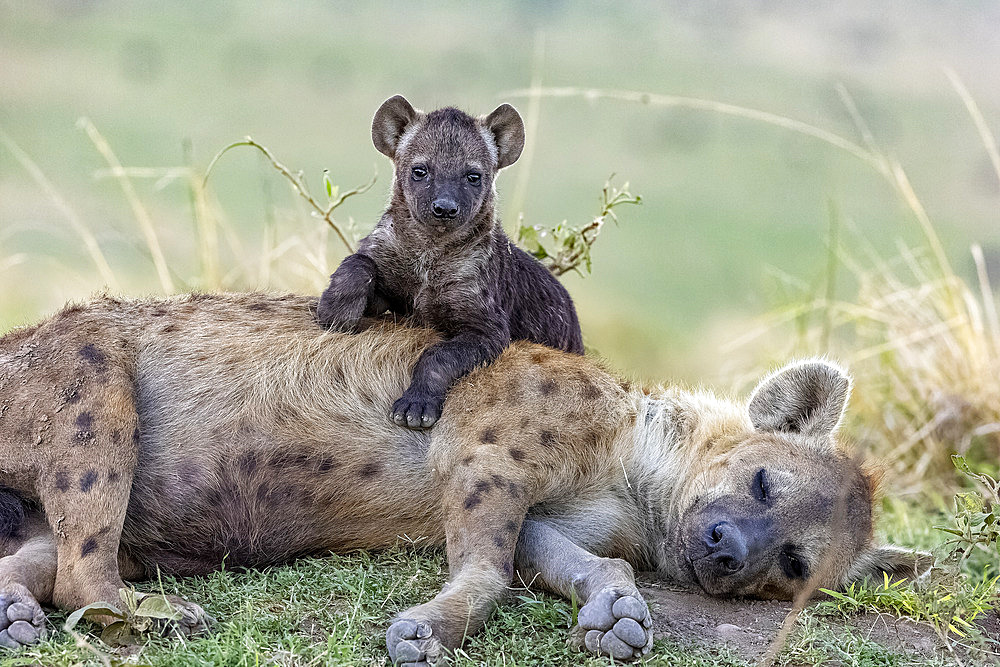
(419, 173)
(791, 564)
(760, 488)
(473, 178)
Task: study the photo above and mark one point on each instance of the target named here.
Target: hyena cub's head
(779, 507)
(445, 161)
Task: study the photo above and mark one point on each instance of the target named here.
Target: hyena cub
(440, 255)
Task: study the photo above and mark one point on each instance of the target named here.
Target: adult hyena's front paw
(22, 621)
(616, 624)
(412, 643)
(417, 410)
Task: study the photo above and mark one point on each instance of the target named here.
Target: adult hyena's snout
(727, 548)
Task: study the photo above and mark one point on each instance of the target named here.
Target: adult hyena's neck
(674, 438)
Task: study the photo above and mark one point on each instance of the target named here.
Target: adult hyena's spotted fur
(179, 433)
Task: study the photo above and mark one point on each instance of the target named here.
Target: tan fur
(236, 428)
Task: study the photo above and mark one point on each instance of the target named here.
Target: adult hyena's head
(779, 506)
(445, 162)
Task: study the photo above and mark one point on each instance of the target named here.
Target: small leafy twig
(564, 248)
(976, 523)
(334, 197)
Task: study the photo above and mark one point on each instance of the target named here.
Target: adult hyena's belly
(253, 476)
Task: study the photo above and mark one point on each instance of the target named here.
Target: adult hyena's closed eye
(440, 255)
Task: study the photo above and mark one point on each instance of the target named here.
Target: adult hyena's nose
(727, 548)
(444, 207)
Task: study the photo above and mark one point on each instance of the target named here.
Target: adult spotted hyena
(181, 432)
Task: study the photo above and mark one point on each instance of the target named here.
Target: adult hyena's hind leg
(84, 489)
(484, 509)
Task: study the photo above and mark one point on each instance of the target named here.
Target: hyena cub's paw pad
(417, 411)
(616, 624)
(22, 621)
(412, 644)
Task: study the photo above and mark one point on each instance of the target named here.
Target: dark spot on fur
(508, 568)
(488, 436)
(92, 355)
(547, 438)
(514, 490)
(548, 387)
(498, 481)
(327, 464)
(500, 540)
(517, 454)
(71, 395)
(89, 547)
(472, 500)
(590, 390)
(87, 480)
(482, 486)
(135, 435)
(113, 477)
(524, 422)
(62, 481)
(511, 526)
(537, 357)
(260, 306)
(169, 328)
(467, 460)
(159, 312)
(370, 470)
(248, 462)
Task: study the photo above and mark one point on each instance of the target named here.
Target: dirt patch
(747, 627)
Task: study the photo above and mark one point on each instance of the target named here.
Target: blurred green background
(735, 215)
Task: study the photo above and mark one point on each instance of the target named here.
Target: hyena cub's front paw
(340, 311)
(22, 621)
(616, 624)
(412, 643)
(417, 410)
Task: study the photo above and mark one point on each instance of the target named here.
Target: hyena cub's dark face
(782, 507)
(445, 161)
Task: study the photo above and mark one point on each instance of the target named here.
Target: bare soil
(747, 627)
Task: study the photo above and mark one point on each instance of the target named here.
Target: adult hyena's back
(249, 418)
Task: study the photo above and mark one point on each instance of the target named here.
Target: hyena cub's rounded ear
(890, 560)
(390, 122)
(807, 398)
(507, 128)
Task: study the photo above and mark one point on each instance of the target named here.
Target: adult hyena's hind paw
(22, 621)
(412, 643)
(417, 410)
(191, 619)
(616, 624)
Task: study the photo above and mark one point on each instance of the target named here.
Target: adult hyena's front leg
(483, 514)
(614, 619)
(92, 449)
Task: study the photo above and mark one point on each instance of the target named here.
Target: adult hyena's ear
(890, 560)
(390, 122)
(507, 128)
(807, 398)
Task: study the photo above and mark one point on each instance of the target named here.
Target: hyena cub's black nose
(727, 547)
(444, 208)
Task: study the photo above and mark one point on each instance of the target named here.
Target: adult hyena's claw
(412, 643)
(616, 624)
(22, 621)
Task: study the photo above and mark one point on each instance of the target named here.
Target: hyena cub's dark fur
(440, 254)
